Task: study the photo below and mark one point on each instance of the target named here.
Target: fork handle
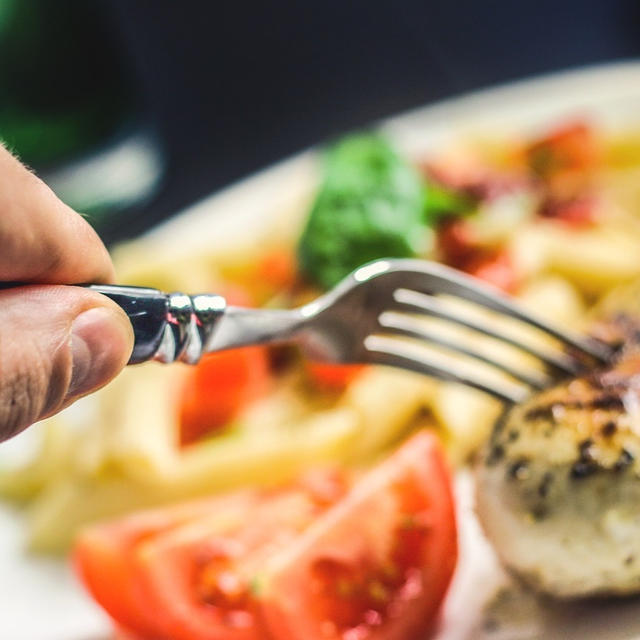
(166, 327)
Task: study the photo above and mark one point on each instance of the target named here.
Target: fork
(374, 316)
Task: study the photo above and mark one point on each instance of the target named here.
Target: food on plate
(559, 483)
(104, 555)
(218, 389)
(519, 212)
(369, 205)
(335, 555)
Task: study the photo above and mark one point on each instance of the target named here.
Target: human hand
(57, 343)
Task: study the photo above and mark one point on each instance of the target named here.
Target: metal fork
(374, 316)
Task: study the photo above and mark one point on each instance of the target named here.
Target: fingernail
(92, 348)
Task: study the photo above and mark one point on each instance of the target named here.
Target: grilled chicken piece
(558, 486)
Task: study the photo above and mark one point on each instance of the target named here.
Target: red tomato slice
(219, 387)
(496, 269)
(459, 249)
(333, 376)
(572, 147)
(223, 383)
(378, 564)
(277, 271)
(315, 560)
(199, 577)
(103, 557)
(456, 242)
(576, 212)
(192, 578)
(272, 273)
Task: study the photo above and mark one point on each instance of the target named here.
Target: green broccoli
(370, 206)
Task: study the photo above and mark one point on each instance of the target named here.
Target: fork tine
(406, 326)
(444, 279)
(392, 352)
(415, 302)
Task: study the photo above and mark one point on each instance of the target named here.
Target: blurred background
(133, 109)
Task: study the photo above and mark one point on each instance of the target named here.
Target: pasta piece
(49, 462)
(386, 400)
(217, 465)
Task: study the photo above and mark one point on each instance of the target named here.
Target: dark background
(233, 86)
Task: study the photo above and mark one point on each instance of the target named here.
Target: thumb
(56, 344)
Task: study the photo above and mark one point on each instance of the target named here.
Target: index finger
(42, 240)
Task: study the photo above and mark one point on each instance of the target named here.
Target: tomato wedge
(219, 387)
(201, 575)
(223, 383)
(334, 377)
(456, 242)
(496, 268)
(377, 565)
(460, 249)
(103, 556)
(192, 577)
(576, 212)
(324, 558)
(277, 271)
(571, 147)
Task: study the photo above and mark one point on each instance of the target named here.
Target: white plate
(39, 598)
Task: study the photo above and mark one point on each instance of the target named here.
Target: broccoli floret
(370, 206)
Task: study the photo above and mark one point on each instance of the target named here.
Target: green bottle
(68, 106)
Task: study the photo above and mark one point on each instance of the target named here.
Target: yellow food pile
(119, 450)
